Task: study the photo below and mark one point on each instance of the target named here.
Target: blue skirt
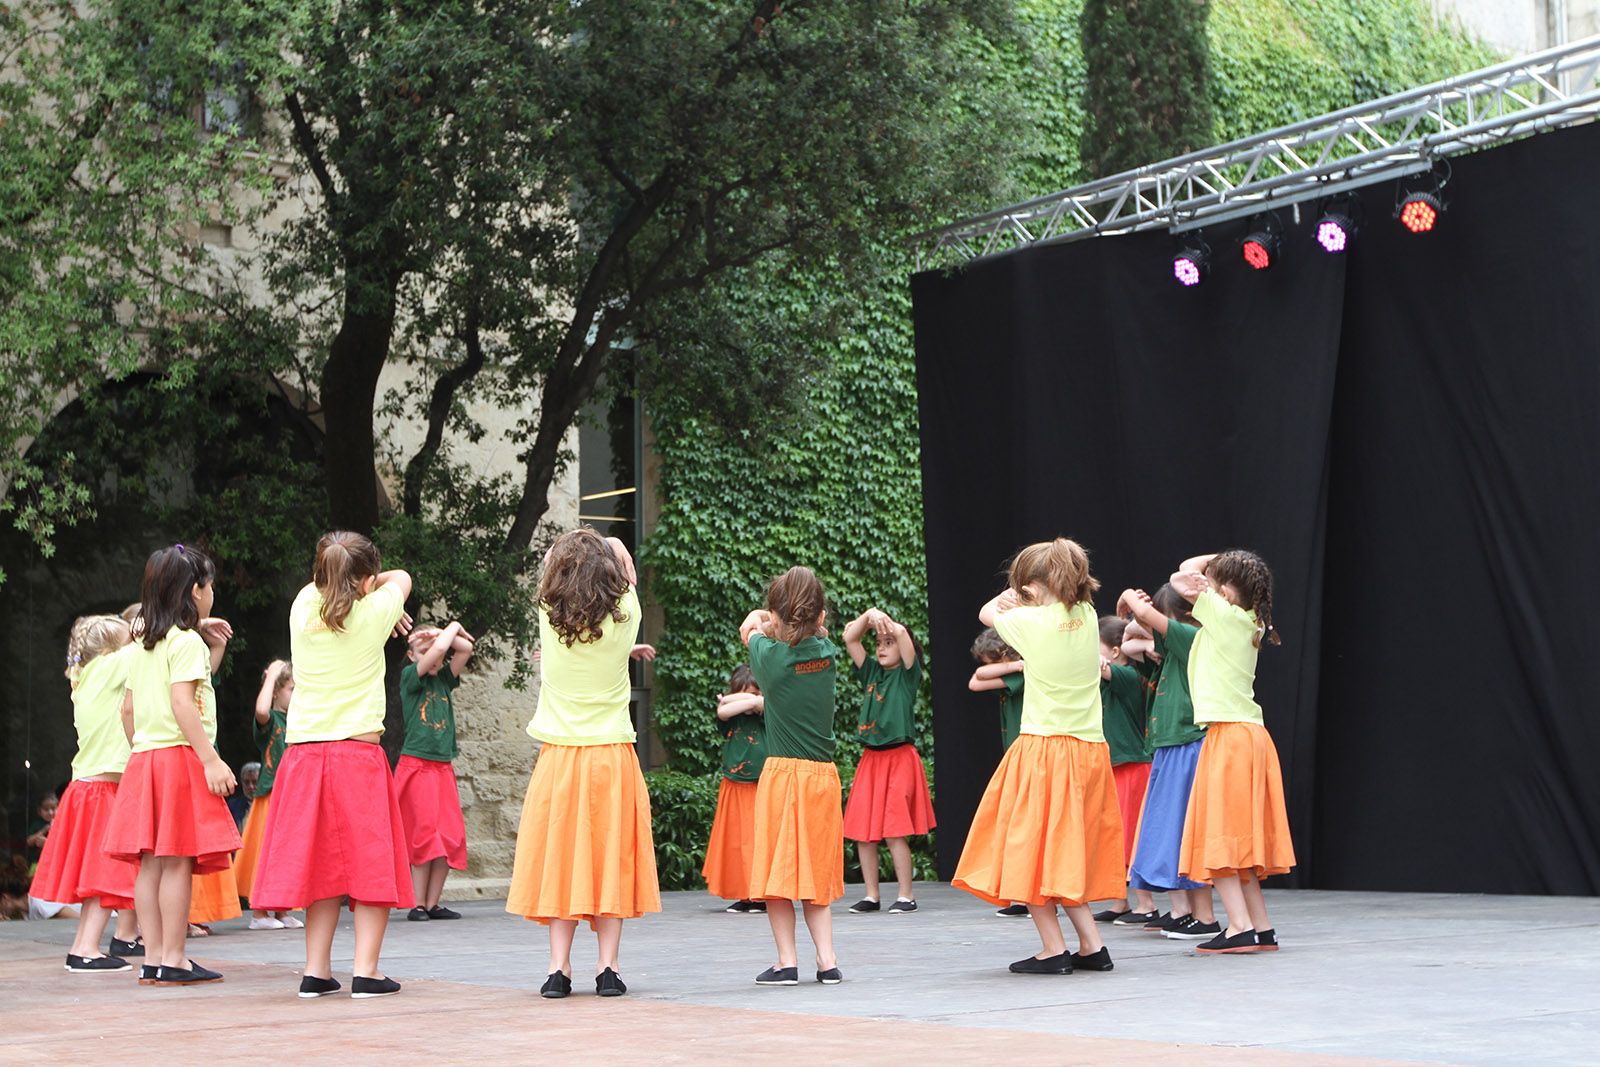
(1166, 803)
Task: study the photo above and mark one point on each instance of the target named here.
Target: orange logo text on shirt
(812, 666)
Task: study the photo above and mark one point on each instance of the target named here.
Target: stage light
(1261, 243)
(1192, 263)
(1420, 212)
(1336, 228)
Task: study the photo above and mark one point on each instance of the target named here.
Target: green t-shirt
(797, 682)
(1172, 713)
(1011, 708)
(745, 747)
(888, 705)
(1123, 715)
(430, 720)
(269, 735)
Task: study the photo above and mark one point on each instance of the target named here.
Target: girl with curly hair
(584, 846)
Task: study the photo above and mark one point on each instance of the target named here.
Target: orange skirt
(1237, 820)
(584, 847)
(799, 832)
(255, 828)
(214, 897)
(731, 849)
(1048, 830)
(1131, 779)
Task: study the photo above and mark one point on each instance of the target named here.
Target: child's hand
(644, 652)
(214, 631)
(275, 668)
(1007, 600)
(403, 627)
(219, 779)
(538, 655)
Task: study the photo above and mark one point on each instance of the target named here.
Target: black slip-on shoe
(1011, 911)
(779, 976)
(608, 983)
(1135, 918)
(1094, 961)
(95, 964)
(831, 976)
(1192, 929)
(147, 974)
(1111, 915)
(556, 986)
(902, 907)
(194, 974)
(861, 907)
(312, 987)
(740, 907)
(1061, 964)
(1243, 941)
(417, 915)
(368, 988)
(120, 947)
(1266, 940)
(1164, 922)
(439, 911)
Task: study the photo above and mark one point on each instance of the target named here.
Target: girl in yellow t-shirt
(584, 846)
(334, 827)
(72, 867)
(170, 815)
(1048, 830)
(1236, 831)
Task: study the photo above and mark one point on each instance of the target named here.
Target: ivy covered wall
(838, 487)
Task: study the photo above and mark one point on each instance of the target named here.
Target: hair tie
(179, 546)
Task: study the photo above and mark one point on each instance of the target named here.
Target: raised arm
(461, 650)
(625, 559)
(402, 582)
(854, 631)
(269, 685)
(731, 705)
(440, 645)
(216, 633)
(758, 621)
(1135, 603)
(126, 711)
(1003, 602)
(1190, 578)
(991, 676)
(888, 629)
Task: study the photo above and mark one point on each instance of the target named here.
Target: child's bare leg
(127, 925)
(92, 920)
(322, 918)
(1180, 902)
(1049, 927)
(1200, 905)
(900, 852)
(173, 898)
(371, 922)
(1143, 901)
(608, 933)
(819, 924)
(562, 932)
(419, 884)
(438, 870)
(867, 851)
(780, 916)
(1082, 920)
(1255, 902)
(147, 901)
(1232, 894)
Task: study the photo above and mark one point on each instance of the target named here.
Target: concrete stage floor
(1362, 978)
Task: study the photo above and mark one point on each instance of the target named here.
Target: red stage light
(1419, 212)
(1256, 254)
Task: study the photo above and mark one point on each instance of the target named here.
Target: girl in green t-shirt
(744, 750)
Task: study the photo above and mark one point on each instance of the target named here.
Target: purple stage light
(1186, 270)
(1332, 236)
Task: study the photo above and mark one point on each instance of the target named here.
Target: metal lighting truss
(1382, 140)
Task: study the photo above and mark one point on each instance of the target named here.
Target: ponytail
(1250, 575)
(344, 561)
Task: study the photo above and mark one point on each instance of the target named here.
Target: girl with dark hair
(799, 843)
(733, 829)
(1237, 829)
(1048, 830)
(334, 827)
(170, 816)
(889, 799)
(584, 846)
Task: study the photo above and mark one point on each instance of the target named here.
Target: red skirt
(249, 857)
(733, 841)
(430, 807)
(73, 867)
(333, 830)
(164, 808)
(1131, 779)
(889, 797)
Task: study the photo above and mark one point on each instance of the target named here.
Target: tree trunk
(349, 390)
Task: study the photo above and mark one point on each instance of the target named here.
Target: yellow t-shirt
(97, 714)
(181, 656)
(1222, 663)
(1060, 648)
(584, 691)
(338, 676)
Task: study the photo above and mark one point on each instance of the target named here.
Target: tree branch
(439, 404)
(307, 139)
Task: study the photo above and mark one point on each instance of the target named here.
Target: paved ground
(1412, 978)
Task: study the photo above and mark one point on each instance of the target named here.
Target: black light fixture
(1419, 209)
(1192, 262)
(1261, 244)
(1337, 226)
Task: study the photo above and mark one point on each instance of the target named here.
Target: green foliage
(1148, 77)
(681, 809)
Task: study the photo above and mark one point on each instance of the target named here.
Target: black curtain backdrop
(1410, 435)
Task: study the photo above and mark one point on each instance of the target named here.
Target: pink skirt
(73, 867)
(333, 830)
(430, 807)
(164, 808)
(889, 796)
